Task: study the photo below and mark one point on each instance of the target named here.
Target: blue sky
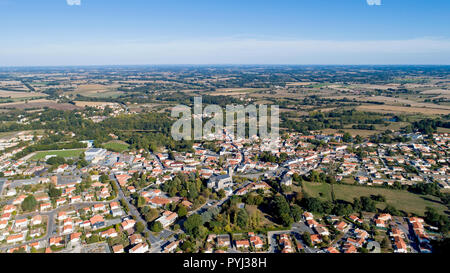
(102, 32)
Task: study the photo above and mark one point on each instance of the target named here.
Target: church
(219, 182)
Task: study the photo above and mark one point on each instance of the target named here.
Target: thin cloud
(73, 2)
(374, 2)
(231, 50)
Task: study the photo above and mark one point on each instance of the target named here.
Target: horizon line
(218, 64)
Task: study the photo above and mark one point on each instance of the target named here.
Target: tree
(307, 238)
(242, 218)
(56, 160)
(254, 199)
(221, 193)
(282, 210)
(314, 176)
(392, 210)
(53, 192)
(103, 178)
(141, 201)
(368, 204)
(296, 212)
(20, 250)
(150, 214)
(343, 209)
(347, 137)
(187, 246)
(384, 243)
(193, 193)
(156, 226)
(200, 232)
(140, 227)
(182, 211)
(29, 203)
(378, 198)
(192, 222)
(434, 218)
(357, 206)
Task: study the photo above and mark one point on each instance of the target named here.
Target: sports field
(62, 153)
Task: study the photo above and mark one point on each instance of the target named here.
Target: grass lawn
(116, 146)
(318, 190)
(62, 153)
(400, 199)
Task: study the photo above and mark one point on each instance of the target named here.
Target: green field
(107, 94)
(62, 153)
(318, 190)
(116, 146)
(400, 199)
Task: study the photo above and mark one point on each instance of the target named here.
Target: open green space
(400, 199)
(62, 153)
(116, 146)
(318, 190)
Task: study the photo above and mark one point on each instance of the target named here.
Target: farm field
(106, 94)
(18, 95)
(62, 153)
(402, 200)
(93, 103)
(116, 146)
(394, 126)
(402, 109)
(13, 133)
(39, 104)
(96, 90)
(234, 91)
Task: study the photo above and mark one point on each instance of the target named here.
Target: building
(167, 218)
(95, 154)
(97, 221)
(139, 248)
(219, 182)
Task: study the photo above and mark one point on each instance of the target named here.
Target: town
(300, 193)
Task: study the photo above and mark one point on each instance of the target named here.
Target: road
(159, 161)
(156, 242)
(2, 182)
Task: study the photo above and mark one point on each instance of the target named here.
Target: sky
(139, 32)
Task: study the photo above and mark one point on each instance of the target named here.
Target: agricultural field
(39, 104)
(62, 153)
(20, 95)
(403, 110)
(234, 91)
(93, 103)
(96, 90)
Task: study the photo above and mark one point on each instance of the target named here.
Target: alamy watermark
(192, 126)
